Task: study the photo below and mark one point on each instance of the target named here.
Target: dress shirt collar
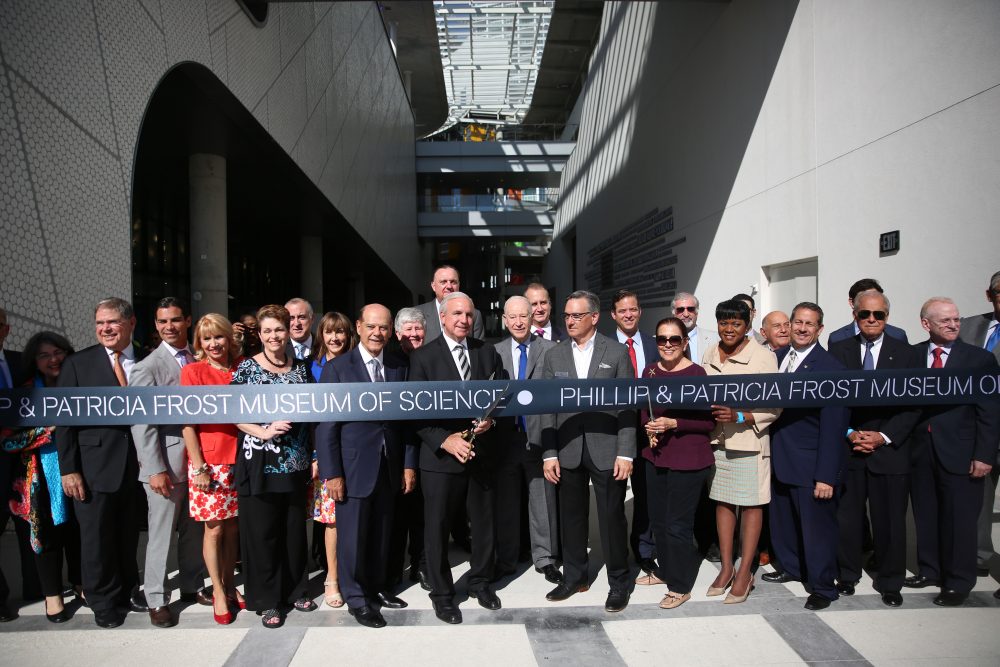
(174, 351)
(514, 344)
(128, 354)
(366, 356)
(587, 346)
(547, 329)
(452, 342)
(944, 357)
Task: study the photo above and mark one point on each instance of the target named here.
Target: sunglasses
(690, 309)
(672, 341)
(877, 314)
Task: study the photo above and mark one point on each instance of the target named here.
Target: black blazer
(961, 434)
(433, 361)
(896, 423)
(15, 364)
(101, 453)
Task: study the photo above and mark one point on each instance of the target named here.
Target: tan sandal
(333, 599)
(674, 600)
(649, 580)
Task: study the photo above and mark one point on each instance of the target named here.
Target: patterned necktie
(792, 356)
(540, 333)
(994, 338)
(463, 362)
(183, 358)
(376, 371)
(522, 371)
(869, 362)
(938, 361)
(631, 356)
(120, 370)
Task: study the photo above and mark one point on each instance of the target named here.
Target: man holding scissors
(451, 468)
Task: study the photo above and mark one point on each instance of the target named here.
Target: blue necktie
(869, 362)
(993, 339)
(3, 376)
(522, 370)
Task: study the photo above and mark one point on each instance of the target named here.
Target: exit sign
(888, 243)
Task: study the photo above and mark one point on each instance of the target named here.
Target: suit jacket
(15, 364)
(537, 348)
(807, 444)
(706, 339)
(896, 423)
(353, 450)
(558, 332)
(433, 361)
(847, 331)
(160, 448)
(961, 433)
(432, 329)
(607, 435)
(101, 453)
(973, 331)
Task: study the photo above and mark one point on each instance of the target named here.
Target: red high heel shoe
(224, 619)
(236, 602)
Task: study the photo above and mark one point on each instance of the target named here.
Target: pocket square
(603, 365)
(561, 374)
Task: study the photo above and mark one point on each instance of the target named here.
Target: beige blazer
(754, 358)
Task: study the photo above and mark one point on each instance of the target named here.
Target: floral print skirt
(219, 502)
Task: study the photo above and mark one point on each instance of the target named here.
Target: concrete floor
(770, 628)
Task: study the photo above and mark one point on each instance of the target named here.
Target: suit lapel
(447, 356)
(595, 360)
(533, 352)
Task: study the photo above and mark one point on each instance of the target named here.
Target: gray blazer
(606, 435)
(432, 328)
(160, 448)
(974, 330)
(537, 347)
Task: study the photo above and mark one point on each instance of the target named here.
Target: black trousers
(887, 496)
(642, 537)
(672, 498)
(406, 535)
(574, 521)
(511, 498)
(273, 548)
(805, 534)
(363, 526)
(946, 509)
(30, 587)
(445, 497)
(57, 542)
(109, 540)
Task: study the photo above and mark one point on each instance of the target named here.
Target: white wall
(781, 131)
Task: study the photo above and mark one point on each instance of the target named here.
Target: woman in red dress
(211, 450)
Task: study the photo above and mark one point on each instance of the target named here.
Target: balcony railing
(534, 203)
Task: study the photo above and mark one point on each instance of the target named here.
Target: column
(209, 261)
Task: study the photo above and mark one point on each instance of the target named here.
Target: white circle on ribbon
(524, 397)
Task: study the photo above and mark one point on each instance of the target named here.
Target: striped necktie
(463, 362)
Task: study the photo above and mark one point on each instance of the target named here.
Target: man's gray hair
(925, 310)
(593, 301)
(684, 296)
(517, 299)
(299, 301)
(123, 307)
(453, 296)
(871, 292)
(409, 314)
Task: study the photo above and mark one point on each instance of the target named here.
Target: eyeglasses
(877, 314)
(691, 309)
(46, 356)
(576, 317)
(672, 341)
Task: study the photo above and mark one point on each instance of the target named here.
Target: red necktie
(937, 363)
(631, 355)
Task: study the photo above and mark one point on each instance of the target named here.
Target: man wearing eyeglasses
(584, 447)
(685, 307)
(878, 466)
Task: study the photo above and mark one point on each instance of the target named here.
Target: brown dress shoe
(161, 617)
(202, 597)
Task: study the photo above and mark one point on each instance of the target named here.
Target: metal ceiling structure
(491, 53)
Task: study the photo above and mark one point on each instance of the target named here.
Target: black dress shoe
(137, 602)
(108, 619)
(552, 573)
(563, 591)
(487, 598)
(815, 602)
(777, 577)
(161, 617)
(390, 601)
(60, 616)
(713, 555)
(617, 601)
(647, 565)
(7, 614)
(424, 582)
(982, 570)
(892, 599)
(367, 616)
(202, 597)
(919, 581)
(448, 612)
(950, 598)
(845, 588)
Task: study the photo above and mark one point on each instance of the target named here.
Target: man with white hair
(685, 307)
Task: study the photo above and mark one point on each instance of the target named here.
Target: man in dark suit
(452, 473)
(878, 465)
(99, 469)
(626, 312)
(808, 456)
(542, 324)
(583, 447)
(520, 456)
(364, 465)
(445, 282)
(850, 330)
(11, 365)
(954, 449)
(984, 331)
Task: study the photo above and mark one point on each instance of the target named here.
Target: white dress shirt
(800, 356)
(694, 345)
(547, 329)
(454, 357)
(302, 350)
(989, 332)
(944, 357)
(366, 357)
(582, 356)
(640, 355)
(516, 353)
(175, 351)
(876, 348)
(127, 358)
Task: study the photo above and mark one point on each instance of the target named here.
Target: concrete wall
(780, 131)
(75, 79)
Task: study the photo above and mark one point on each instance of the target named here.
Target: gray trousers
(984, 550)
(167, 515)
